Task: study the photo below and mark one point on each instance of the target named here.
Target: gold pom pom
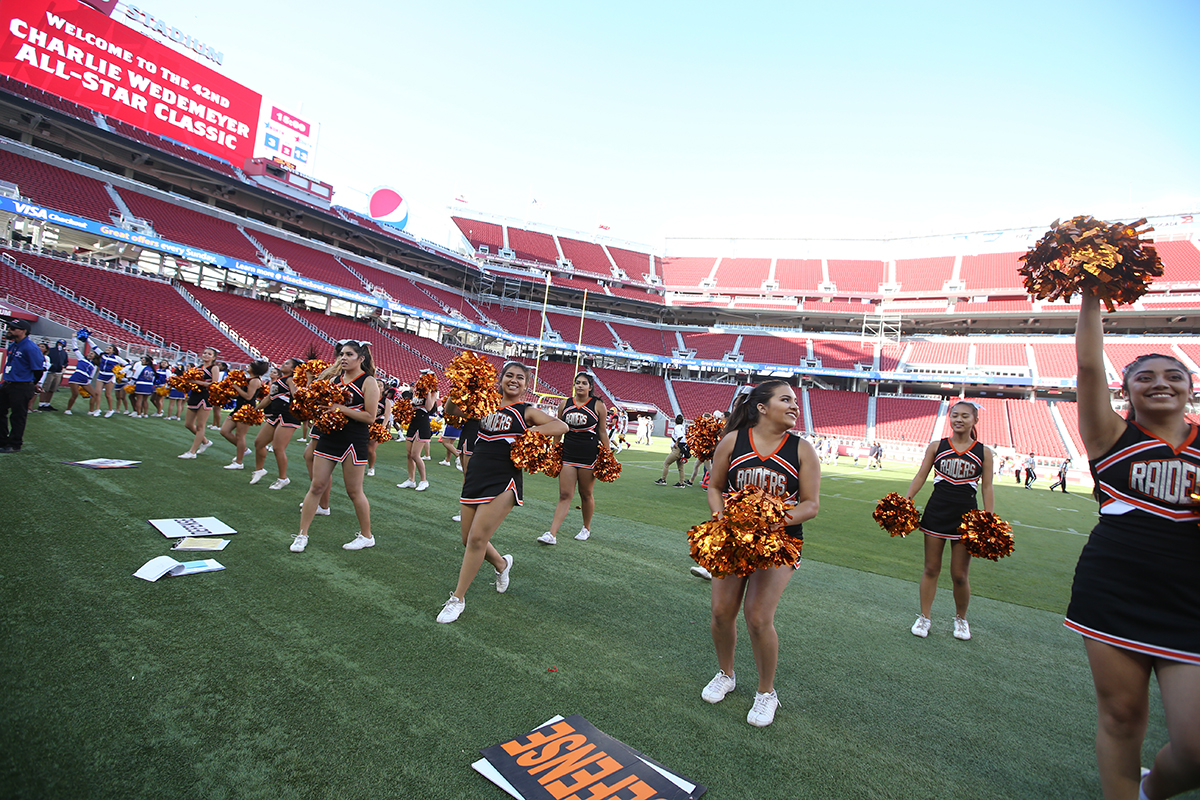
(162, 391)
(84, 393)
(308, 371)
(402, 412)
(248, 415)
(425, 384)
(531, 451)
(897, 515)
(436, 424)
(748, 536)
(554, 464)
(310, 403)
(129, 388)
(1109, 260)
(703, 436)
(474, 391)
(986, 535)
(607, 468)
(379, 432)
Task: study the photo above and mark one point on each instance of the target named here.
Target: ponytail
(745, 407)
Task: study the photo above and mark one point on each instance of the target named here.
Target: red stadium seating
(838, 413)
(644, 340)
(799, 275)
(567, 326)
(857, 276)
(637, 387)
(635, 264)
(167, 146)
(447, 297)
(1070, 417)
(57, 188)
(710, 345)
(992, 271)
(939, 353)
(993, 307)
(905, 419)
(1000, 354)
(1122, 354)
(923, 274)
(1192, 351)
(774, 349)
(188, 226)
(842, 353)
(25, 288)
(515, 319)
(840, 307)
(993, 428)
(47, 99)
(743, 273)
(532, 246)
(558, 377)
(686, 272)
(1055, 359)
(1033, 429)
(265, 325)
(152, 305)
(309, 261)
(698, 397)
(889, 356)
(1181, 262)
(481, 233)
(633, 293)
(587, 256)
(387, 353)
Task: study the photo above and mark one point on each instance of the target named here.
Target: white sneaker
(583, 534)
(502, 577)
(270, 448)
(257, 476)
(235, 465)
(68, 412)
(159, 414)
(718, 687)
(452, 610)
(371, 472)
(457, 518)
(280, 483)
(763, 712)
(921, 626)
(214, 427)
(359, 542)
(406, 485)
(443, 463)
(299, 542)
(95, 413)
(188, 454)
(701, 572)
(248, 452)
(207, 444)
(109, 414)
(302, 439)
(426, 458)
(422, 486)
(458, 463)
(547, 538)
(961, 629)
(321, 512)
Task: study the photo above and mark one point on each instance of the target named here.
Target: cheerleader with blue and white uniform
(143, 386)
(110, 359)
(83, 377)
(161, 373)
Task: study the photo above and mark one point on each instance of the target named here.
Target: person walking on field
(1062, 476)
(961, 466)
(678, 452)
(1135, 598)
(1030, 471)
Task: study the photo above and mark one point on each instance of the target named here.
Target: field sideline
(324, 675)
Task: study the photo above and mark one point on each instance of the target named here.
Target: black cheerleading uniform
(777, 473)
(197, 399)
(279, 408)
(419, 429)
(581, 443)
(354, 438)
(491, 472)
(1135, 584)
(956, 478)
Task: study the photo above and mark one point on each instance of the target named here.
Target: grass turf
(323, 674)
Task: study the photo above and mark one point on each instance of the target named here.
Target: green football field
(324, 675)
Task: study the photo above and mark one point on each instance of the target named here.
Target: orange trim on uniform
(1130, 644)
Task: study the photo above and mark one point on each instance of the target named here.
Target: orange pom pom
(897, 515)
(425, 384)
(531, 451)
(402, 412)
(248, 415)
(986, 535)
(554, 463)
(474, 391)
(703, 436)
(379, 432)
(607, 468)
(749, 536)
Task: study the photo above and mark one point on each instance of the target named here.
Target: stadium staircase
(328, 339)
(226, 331)
(676, 409)
(1065, 434)
(808, 416)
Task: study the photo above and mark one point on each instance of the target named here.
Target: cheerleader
(160, 379)
(197, 404)
(467, 439)
(758, 448)
(381, 416)
(234, 431)
(961, 465)
(1135, 597)
(176, 398)
(279, 425)
(82, 378)
(222, 374)
(347, 446)
(110, 359)
(143, 387)
(123, 386)
(492, 484)
(583, 414)
(446, 437)
(419, 435)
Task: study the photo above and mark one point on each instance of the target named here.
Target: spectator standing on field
(23, 370)
(53, 377)
(678, 452)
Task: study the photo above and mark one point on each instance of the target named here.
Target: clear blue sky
(738, 120)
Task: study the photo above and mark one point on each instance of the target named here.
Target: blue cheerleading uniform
(84, 372)
(143, 382)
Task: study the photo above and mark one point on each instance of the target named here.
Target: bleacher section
(923, 274)
(993, 271)
(843, 354)
(481, 233)
(697, 397)
(558, 377)
(586, 256)
(388, 354)
(904, 419)
(643, 340)
(838, 413)
(450, 299)
(265, 325)
(774, 349)
(1181, 262)
(635, 264)
(178, 224)
(998, 354)
(56, 187)
(939, 353)
(515, 319)
(1033, 429)
(308, 261)
(595, 332)
(857, 276)
(1070, 417)
(532, 246)
(152, 305)
(637, 387)
(1055, 359)
(993, 307)
(686, 272)
(709, 345)
(743, 273)
(798, 275)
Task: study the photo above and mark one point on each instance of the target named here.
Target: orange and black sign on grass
(572, 759)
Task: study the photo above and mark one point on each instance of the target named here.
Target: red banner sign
(77, 53)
